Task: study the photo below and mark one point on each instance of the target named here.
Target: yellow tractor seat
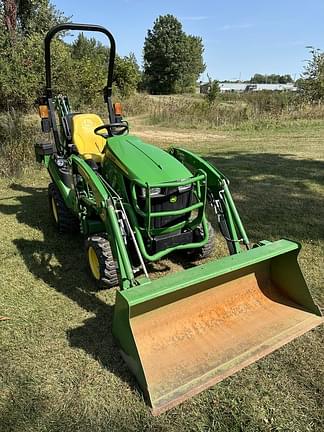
(88, 144)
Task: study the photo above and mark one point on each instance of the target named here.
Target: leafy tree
(91, 59)
(38, 16)
(193, 65)
(172, 60)
(257, 79)
(18, 80)
(285, 79)
(22, 70)
(312, 79)
(29, 16)
(127, 74)
(90, 48)
(213, 90)
(21, 57)
(78, 69)
(271, 79)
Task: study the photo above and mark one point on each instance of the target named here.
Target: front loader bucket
(185, 332)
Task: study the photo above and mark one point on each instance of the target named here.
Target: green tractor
(135, 203)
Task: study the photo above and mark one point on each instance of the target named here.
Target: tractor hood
(144, 162)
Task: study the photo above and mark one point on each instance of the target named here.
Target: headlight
(184, 188)
(153, 192)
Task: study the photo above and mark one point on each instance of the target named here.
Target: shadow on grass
(277, 196)
(60, 262)
(23, 408)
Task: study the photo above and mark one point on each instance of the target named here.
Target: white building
(271, 87)
(228, 87)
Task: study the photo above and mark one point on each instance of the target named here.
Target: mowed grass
(60, 369)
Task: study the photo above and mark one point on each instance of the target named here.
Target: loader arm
(219, 194)
(104, 203)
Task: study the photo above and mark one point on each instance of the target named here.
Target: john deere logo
(173, 199)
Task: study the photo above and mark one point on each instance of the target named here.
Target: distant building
(271, 87)
(228, 87)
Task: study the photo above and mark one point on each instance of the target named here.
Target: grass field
(59, 368)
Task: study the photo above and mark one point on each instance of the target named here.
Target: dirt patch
(176, 137)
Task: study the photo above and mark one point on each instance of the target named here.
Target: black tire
(103, 268)
(63, 218)
(205, 251)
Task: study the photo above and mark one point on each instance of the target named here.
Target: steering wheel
(113, 129)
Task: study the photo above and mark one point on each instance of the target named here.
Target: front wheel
(101, 261)
(204, 251)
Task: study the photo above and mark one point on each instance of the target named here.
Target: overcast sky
(240, 37)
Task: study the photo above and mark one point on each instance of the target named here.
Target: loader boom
(217, 185)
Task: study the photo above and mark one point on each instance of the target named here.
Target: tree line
(172, 60)
(79, 68)
(271, 79)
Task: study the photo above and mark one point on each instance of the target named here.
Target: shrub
(18, 133)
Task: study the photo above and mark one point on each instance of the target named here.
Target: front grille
(172, 199)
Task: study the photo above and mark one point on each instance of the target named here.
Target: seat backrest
(88, 144)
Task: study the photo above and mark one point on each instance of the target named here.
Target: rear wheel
(63, 218)
(101, 261)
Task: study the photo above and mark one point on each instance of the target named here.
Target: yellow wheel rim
(54, 210)
(94, 263)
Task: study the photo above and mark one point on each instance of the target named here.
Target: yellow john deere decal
(173, 199)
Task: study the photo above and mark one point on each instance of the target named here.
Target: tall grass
(18, 133)
(251, 111)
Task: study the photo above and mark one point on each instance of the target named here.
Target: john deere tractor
(135, 203)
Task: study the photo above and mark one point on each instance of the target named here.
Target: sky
(241, 38)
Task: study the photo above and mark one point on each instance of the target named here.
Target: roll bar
(82, 27)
